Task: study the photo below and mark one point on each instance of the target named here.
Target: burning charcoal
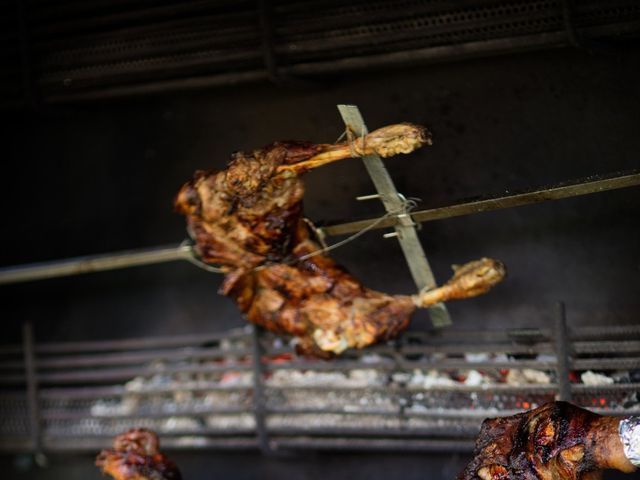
(236, 379)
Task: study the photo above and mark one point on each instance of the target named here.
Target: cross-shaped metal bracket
(405, 227)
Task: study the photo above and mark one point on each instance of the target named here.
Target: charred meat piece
(557, 441)
(135, 456)
(248, 220)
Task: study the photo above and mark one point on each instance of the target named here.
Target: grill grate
(426, 391)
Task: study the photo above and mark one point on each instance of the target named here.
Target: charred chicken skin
(248, 220)
(557, 441)
(135, 456)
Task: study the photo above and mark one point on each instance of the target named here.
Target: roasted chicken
(248, 220)
(557, 441)
(136, 456)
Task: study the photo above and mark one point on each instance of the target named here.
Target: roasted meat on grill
(135, 456)
(557, 441)
(248, 220)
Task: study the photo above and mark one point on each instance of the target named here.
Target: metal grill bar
(438, 414)
(120, 374)
(606, 388)
(351, 444)
(187, 412)
(121, 358)
(409, 365)
(412, 389)
(609, 332)
(227, 432)
(192, 442)
(445, 431)
(32, 388)
(140, 343)
(621, 363)
(562, 354)
(259, 402)
(86, 393)
(115, 392)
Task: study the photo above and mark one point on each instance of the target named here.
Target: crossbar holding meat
(248, 219)
(557, 441)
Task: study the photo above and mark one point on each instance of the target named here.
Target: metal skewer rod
(568, 190)
(93, 263)
(150, 256)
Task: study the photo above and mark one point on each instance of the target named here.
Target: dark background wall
(93, 178)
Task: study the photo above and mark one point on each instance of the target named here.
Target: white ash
(190, 441)
(373, 358)
(401, 378)
(103, 408)
(595, 379)
(477, 357)
(546, 357)
(309, 421)
(527, 376)
(347, 400)
(354, 378)
(430, 379)
(502, 358)
(475, 378)
(183, 424)
(226, 422)
(95, 426)
(448, 425)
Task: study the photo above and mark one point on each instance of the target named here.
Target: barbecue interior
(99, 175)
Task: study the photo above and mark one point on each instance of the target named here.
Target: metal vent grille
(92, 49)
